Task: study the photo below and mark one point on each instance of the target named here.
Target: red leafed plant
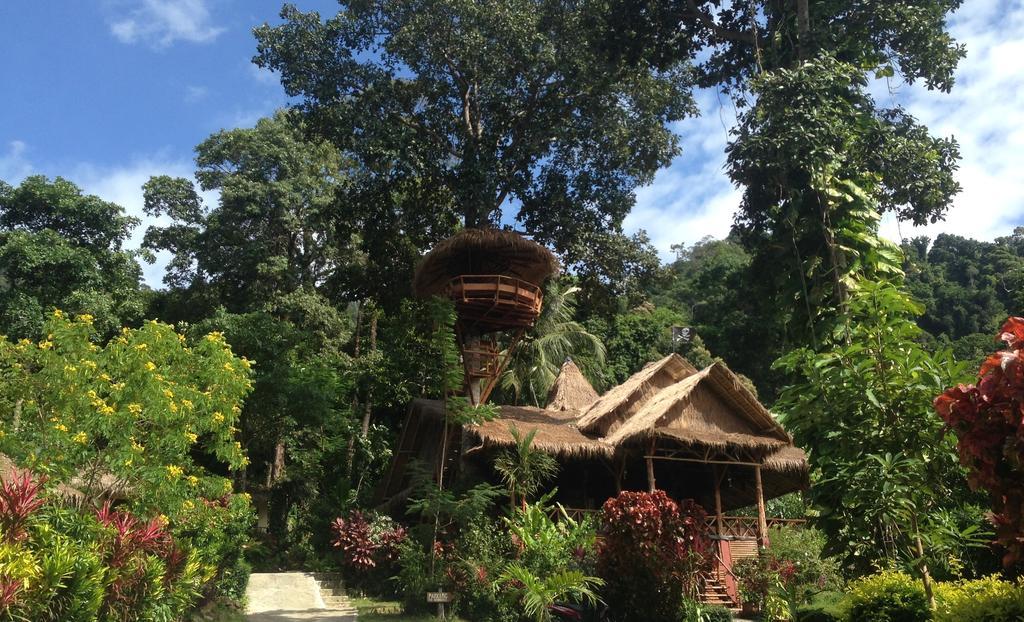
(19, 498)
(651, 554)
(988, 420)
(365, 545)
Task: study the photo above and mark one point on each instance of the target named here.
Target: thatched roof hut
(483, 251)
(571, 390)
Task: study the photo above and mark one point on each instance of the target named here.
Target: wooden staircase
(715, 593)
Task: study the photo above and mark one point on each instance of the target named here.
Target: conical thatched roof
(571, 390)
(483, 251)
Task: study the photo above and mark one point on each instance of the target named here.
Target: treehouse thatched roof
(571, 390)
(483, 251)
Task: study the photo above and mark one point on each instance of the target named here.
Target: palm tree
(524, 469)
(555, 337)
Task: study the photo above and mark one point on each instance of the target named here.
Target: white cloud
(692, 198)
(122, 184)
(159, 23)
(985, 112)
(195, 94)
(263, 75)
(14, 166)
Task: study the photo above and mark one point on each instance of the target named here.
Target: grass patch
(371, 610)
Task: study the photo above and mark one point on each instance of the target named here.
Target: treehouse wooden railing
(496, 301)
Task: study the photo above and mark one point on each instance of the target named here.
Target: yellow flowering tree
(146, 416)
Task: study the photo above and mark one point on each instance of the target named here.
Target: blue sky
(110, 92)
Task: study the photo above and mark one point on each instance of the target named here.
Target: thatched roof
(105, 486)
(707, 409)
(622, 402)
(483, 251)
(556, 432)
(571, 390)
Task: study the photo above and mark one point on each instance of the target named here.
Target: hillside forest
(295, 244)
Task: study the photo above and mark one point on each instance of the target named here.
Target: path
(293, 597)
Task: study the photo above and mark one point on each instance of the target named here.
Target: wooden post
(719, 519)
(651, 485)
(762, 521)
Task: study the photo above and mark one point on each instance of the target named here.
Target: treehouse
(698, 435)
(494, 278)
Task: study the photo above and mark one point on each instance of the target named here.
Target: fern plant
(536, 594)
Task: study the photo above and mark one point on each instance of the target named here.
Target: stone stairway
(332, 590)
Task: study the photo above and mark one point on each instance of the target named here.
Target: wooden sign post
(440, 598)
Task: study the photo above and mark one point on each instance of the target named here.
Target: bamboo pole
(651, 485)
(762, 521)
(719, 519)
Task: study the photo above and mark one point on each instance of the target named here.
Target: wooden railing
(745, 527)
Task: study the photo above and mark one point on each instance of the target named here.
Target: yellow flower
(105, 377)
(45, 345)
(61, 427)
(173, 407)
(181, 338)
(227, 486)
(89, 364)
(218, 417)
(117, 386)
(193, 480)
(150, 366)
(58, 313)
(187, 404)
(136, 447)
(91, 394)
(106, 410)
(187, 504)
(174, 471)
(135, 409)
(228, 367)
(81, 438)
(246, 363)
(191, 436)
(141, 346)
(85, 318)
(168, 393)
(2, 434)
(128, 462)
(70, 369)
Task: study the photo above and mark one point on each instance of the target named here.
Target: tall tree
(63, 249)
(483, 113)
(887, 486)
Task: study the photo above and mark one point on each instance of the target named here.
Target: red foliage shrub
(365, 545)
(988, 420)
(19, 498)
(651, 555)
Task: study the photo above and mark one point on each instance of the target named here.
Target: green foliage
(988, 599)
(62, 249)
(457, 111)
(887, 597)
(824, 607)
(145, 413)
(556, 336)
(523, 469)
(536, 593)
(883, 473)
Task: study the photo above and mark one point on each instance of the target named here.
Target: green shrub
(824, 607)
(716, 613)
(887, 597)
(982, 600)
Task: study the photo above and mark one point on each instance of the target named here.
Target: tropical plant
(986, 417)
(883, 493)
(651, 554)
(555, 337)
(980, 600)
(887, 596)
(537, 593)
(522, 468)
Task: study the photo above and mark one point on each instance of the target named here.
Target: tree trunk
(350, 450)
(926, 577)
(803, 27)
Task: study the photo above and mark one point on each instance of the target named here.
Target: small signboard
(439, 597)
